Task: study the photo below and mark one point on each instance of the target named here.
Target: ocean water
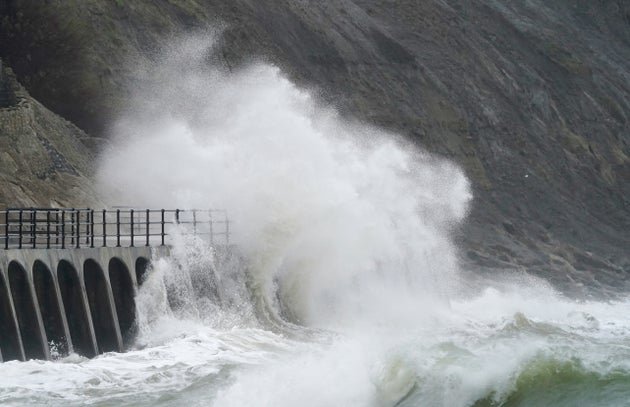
(342, 286)
(503, 347)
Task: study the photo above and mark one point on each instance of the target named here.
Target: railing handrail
(85, 227)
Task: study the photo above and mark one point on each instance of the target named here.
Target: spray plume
(338, 221)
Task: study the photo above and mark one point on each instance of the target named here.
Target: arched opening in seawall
(124, 297)
(9, 335)
(49, 308)
(26, 313)
(142, 266)
(100, 306)
(83, 303)
(75, 309)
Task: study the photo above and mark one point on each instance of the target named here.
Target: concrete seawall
(56, 301)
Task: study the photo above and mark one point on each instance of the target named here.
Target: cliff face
(532, 98)
(43, 161)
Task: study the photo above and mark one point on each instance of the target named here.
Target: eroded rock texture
(43, 159)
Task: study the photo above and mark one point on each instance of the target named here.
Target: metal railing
(47, 228)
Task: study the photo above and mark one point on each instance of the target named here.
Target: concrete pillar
(26, 307)
(11, 336)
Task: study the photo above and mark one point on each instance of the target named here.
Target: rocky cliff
(44, 160)
(531, 98)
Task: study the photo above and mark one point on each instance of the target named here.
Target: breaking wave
(338, 223)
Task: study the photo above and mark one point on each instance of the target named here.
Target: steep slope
(43, 159)
(532, 98)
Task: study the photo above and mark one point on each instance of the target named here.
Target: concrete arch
(103, 319)
(124, 298)
(75, 308)
(50, 310)
(142, 265)
(27, 312)
(10, 338)
(60, 272)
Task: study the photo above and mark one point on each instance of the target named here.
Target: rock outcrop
(43, 159)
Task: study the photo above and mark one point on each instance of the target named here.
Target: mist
(338, 221)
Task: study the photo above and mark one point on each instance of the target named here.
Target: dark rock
(43, 161)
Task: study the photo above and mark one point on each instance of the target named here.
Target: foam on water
(346, 289)
(484, 348)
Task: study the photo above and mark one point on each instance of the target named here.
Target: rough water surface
(500, 348)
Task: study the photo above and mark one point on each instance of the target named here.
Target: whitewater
(342, 285)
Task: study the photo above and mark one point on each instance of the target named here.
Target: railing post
(33, 229)
(77, 216)
(104, 228)
(148, 225)
(30, 225)
(20, 229)
(162, 223)
(56, 228)
(131, 219)
(48, 229)
(6, 230)
(63, 229)
(117, 227)
(177, 216)
(71, 226)
(88, 223)
(91, 234)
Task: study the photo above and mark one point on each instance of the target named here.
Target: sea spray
(198, 283)
(340, 225)
(339, 222)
